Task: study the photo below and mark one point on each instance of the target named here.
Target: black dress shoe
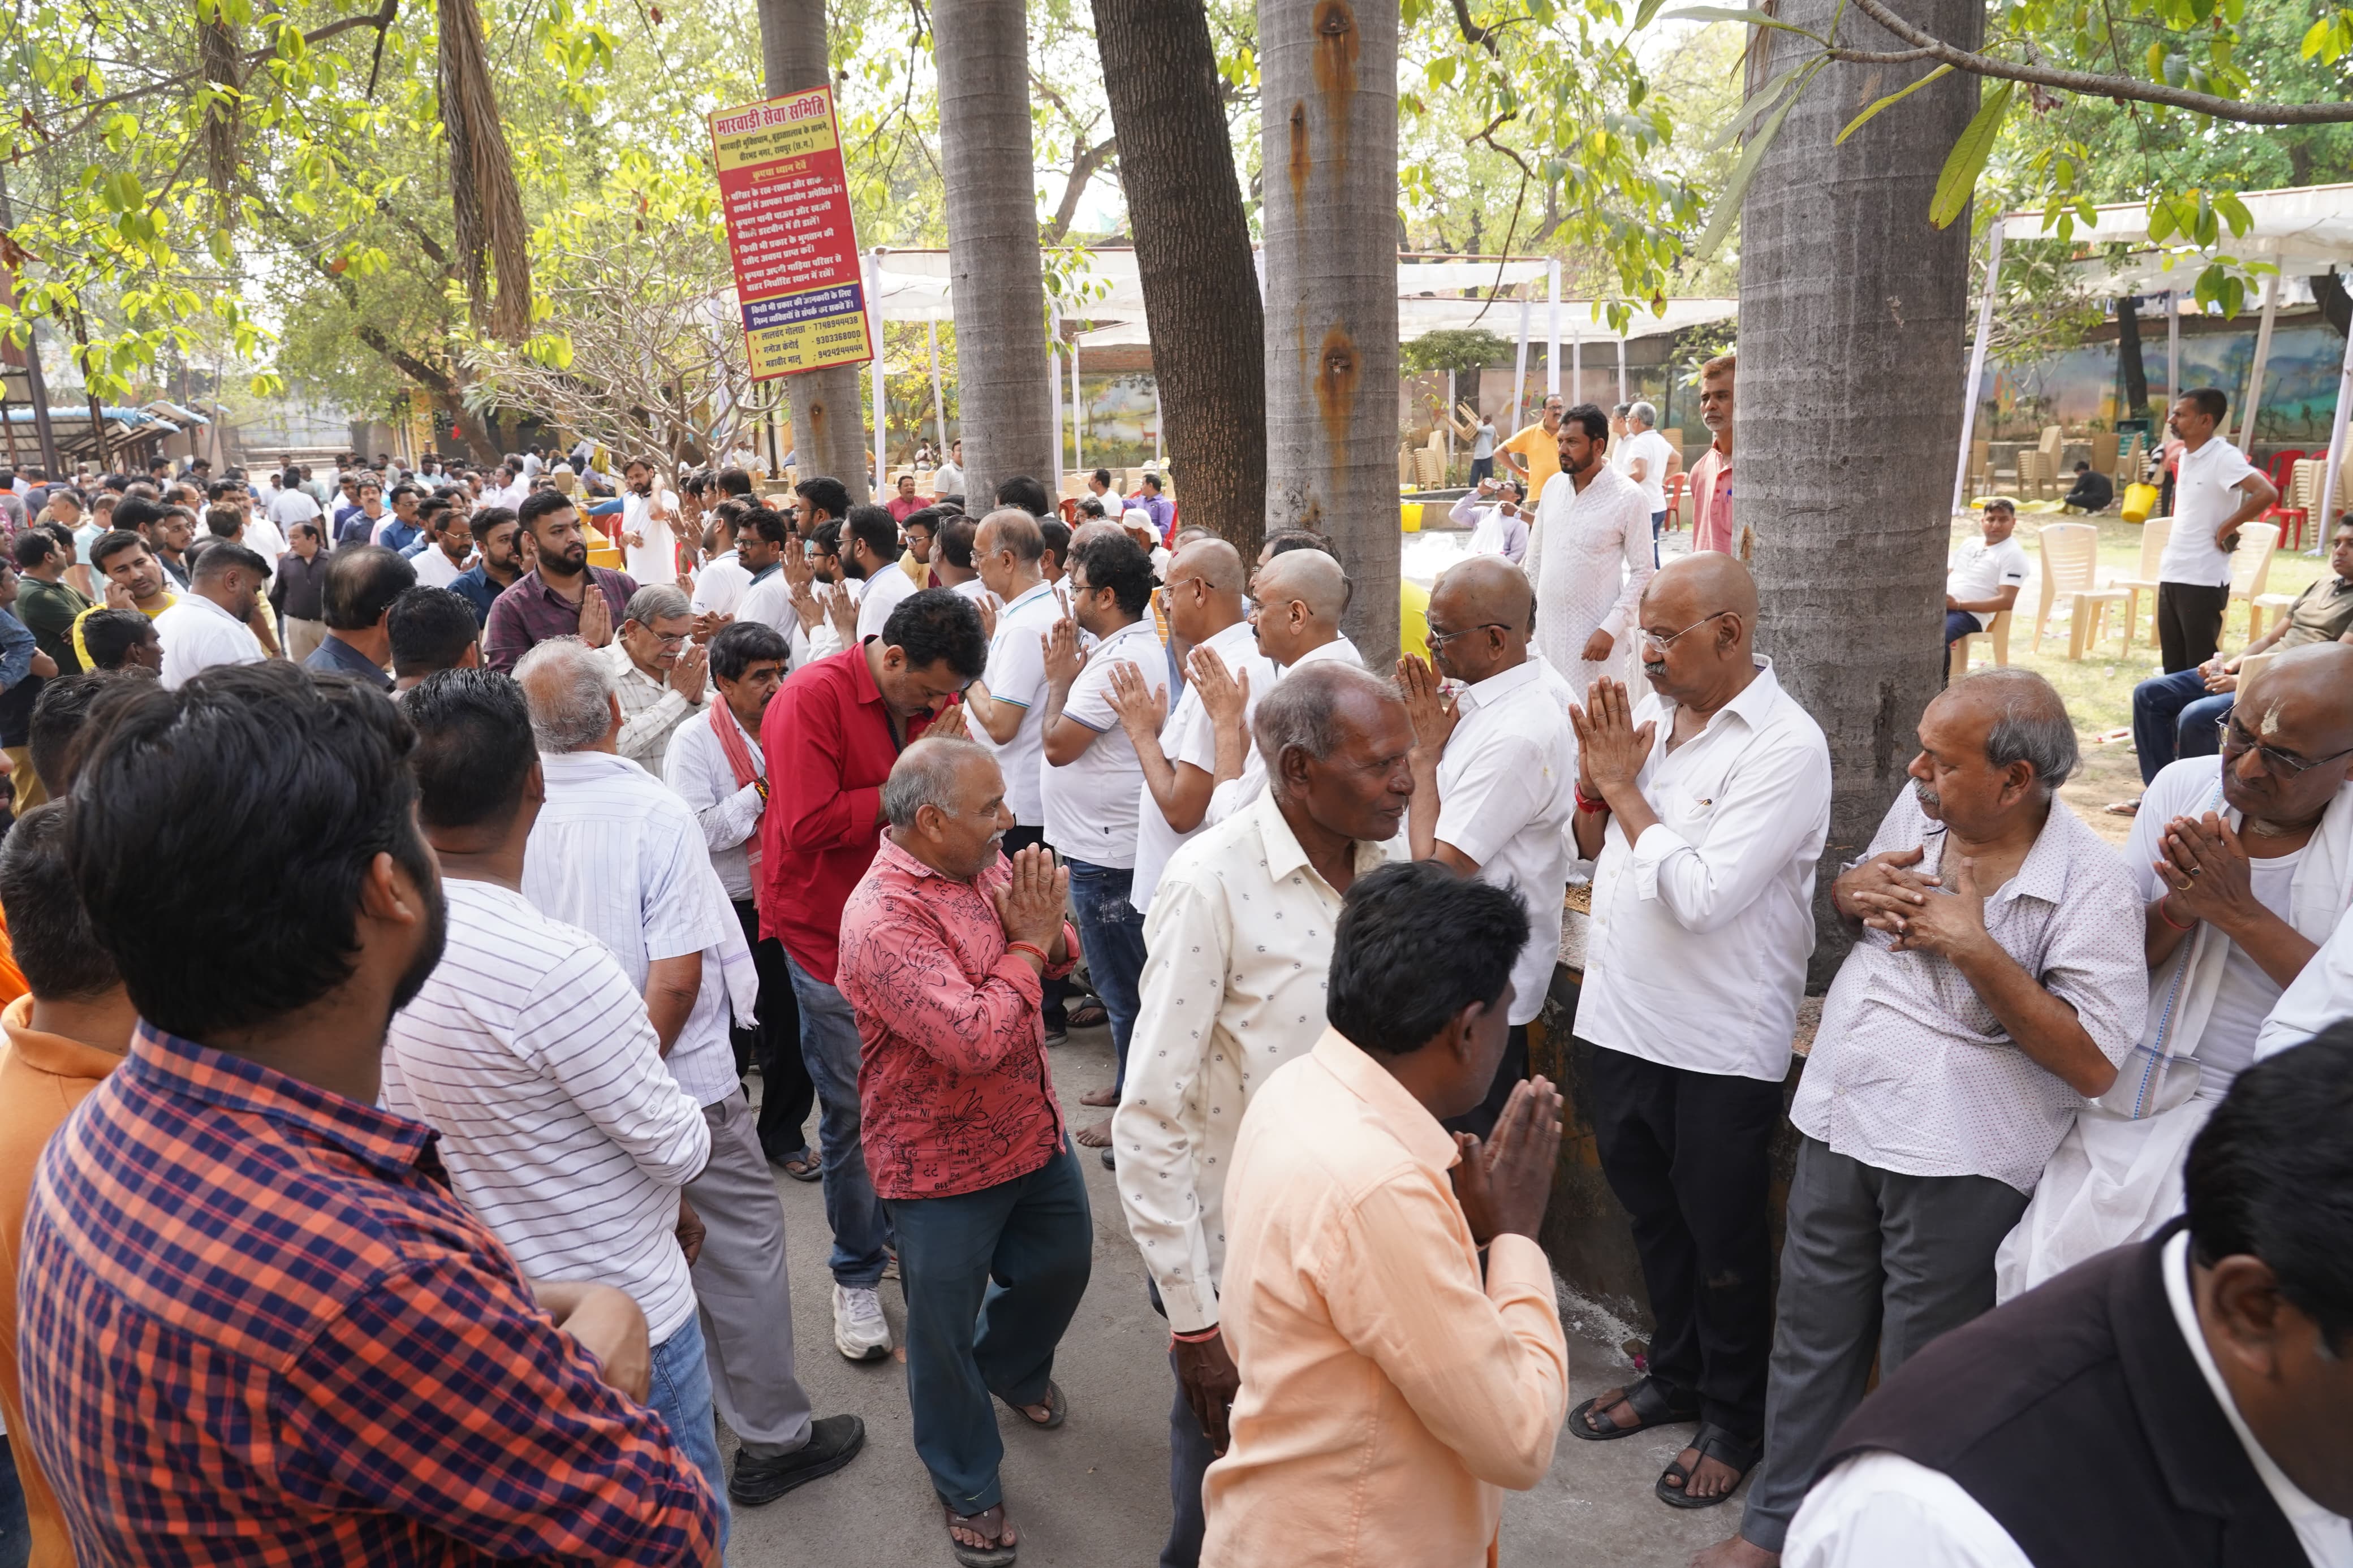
(834, 1441)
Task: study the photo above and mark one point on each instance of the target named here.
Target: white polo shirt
(1652, 447)
(434, 567)
(2205, 491)
(884, 593)
(197, 633)
(1189, 736)
(1506, 790)
(720, 586)
(1980, 570)
(1017, 674)
(1091, 801)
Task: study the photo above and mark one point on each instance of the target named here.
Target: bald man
(1299, 597)
(2245, 866)
(1998, 981)
(1185, 749)
(1704, 806)
(1494, 778)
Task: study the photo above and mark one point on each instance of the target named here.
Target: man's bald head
(1217, 564)
(2302, 700)
(1483, 591)
(1205, 590)
(1706, 582)
(1699, 627)
(1311, 578)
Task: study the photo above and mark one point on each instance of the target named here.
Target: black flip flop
(978, 1556)
(1648, 1398)
(1058, 1409)
(1712, 1442)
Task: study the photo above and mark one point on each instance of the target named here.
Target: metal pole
(1977, 370)
(2255, 373)
(1449, 422)
(2327, 521)
(1552, 328)
(1520, 368)
(1577, 368)
(1054, 396)
(2173, 358)
(939, 397)
(1621, 372)
(874, 292)
(1077, 412)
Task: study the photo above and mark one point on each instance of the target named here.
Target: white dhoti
(2110, 1182)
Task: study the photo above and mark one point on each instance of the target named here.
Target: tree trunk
(828, 425)
(982, 48)
(1328, 75)
(2129, 364)
(1851, 364)
(1200, 281)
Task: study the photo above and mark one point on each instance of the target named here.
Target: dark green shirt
(48, 609)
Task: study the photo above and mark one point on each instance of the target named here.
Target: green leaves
(2330, 38)
(1739, 18)
(1858, 122)
(1735, 188)
(1967, 159)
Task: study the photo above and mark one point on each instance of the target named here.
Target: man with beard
(1588, 555)
(553, 600)
(498, 565)
(1997, 981)
(412, 1400)
(649, 524)
(122, 561)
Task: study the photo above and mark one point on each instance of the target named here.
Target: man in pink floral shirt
(945, 945)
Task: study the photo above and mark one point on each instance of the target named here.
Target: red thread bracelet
(1584, 803)
(1028, 947)
(2165, 915)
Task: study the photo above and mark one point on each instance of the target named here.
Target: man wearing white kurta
(648, 510)
(1588, 555)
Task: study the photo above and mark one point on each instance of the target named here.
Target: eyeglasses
(1653, 640)
(1439, 640)
(2282, 764)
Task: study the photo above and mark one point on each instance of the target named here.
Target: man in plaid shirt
(262, 1329)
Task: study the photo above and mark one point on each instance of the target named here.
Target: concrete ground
(1095, 1493)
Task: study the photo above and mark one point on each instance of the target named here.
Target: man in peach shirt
(62, 1040)
(1711, 477)
(1388, 1392)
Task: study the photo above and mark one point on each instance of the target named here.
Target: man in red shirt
(945, 949)
(831, 734)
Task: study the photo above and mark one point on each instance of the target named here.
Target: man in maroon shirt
(552, 599)
(946, 948)
(831, 734)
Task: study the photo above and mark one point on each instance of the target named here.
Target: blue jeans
(992, 1278)
(1112, 933)
(1481, 468)
(830, 1048)
(1959, 624)
(682, 1395)
(2174, 716)
(1657, 524)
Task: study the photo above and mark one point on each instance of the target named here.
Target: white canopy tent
(2301, 230)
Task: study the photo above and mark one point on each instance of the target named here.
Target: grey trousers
(739, 1282)
(1873, 1261)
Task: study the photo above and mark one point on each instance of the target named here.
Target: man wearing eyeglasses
(1706, 808)
(2178, 715)
(658, 673)
(2245, 864)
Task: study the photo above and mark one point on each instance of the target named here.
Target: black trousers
(1480, 1120)
(774, 1045)
(1056, 1016)
(1686, 1153)
(2188, 624)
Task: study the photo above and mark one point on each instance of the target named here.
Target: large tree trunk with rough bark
(1328, 81)
(1004, 385)
(1193, 257)
(828, 418)
(1852, 367)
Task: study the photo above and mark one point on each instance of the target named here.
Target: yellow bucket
(1410, 516)
(2139, 501)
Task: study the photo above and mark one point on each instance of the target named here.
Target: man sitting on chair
(1983, 580)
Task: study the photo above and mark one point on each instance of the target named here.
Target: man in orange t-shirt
(63, 1038)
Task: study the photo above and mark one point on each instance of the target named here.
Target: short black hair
(490, 517)
(927, 518)
(1025, 493)
(827, 536)
(363, 580)
(246, 765)
(1112, 560)
(765, 520)
(48, 931)
(33, 546)
(1055, 535)
(875, 528)
(2271, 1176)
(1283, 541)
(1415, 945)
(2210, 401)
(740, 644)
(430, 629)
(474, 745)
(1102, 476)
(402, 489)
(736, 482)
(224, 520)
(954, 540)
(1589, 415)
(111, 635)
(1154, 480)
(2082, 467)
(60, 713)
(222, 554)
(113, 541)
(135, 512)
(541, 503)
(825, 494)
(938, 625)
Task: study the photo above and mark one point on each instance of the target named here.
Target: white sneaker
(860, 1330)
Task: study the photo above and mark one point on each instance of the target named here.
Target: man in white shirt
(1997, 980)
(658, 673)
(779, 581)
(2215, 491)
(617, 854)
(1240, 941)
(716, 764)
(2181, 1401)
(447, 549)
(207, 625)
(528, 1052)
(1494, 780)
(947, 480)
(837, 626)
(1589, 555)
(1297, 598)
(1706, 809)
(648, 511)
(722, 584)
(291, 504)
(1090, 782)
(1985, 575)
(870, 547)
(1644, 457)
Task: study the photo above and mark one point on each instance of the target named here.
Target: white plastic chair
(2250, 568)
(2071, 557)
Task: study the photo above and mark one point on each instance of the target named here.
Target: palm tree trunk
(1328, 74)
(1192, 255)
(983, 54)
(828, 421)
(1851, 364)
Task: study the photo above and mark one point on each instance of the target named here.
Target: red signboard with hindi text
(790, 236)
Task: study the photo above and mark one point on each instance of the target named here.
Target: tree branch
(1472, 32)
(1086, 163)
(2091, 83)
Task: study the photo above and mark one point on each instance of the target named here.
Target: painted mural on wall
(2080, 388)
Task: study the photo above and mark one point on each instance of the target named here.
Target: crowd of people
(379, 1182)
